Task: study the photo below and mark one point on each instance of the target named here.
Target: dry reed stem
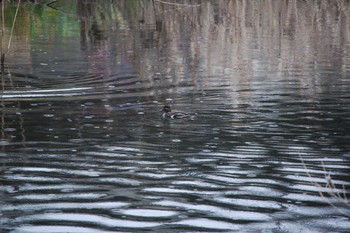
(333, 189)
(178, 4)
(13, 25)
(2, 35)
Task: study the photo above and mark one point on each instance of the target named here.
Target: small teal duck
(167, 113)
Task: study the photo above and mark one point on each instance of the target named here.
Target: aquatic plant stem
(3, 36)
(13, 25)
(178, 4)
(333, 190)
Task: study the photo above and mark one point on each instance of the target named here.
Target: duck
(168, 114)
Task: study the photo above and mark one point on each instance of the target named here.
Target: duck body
(168, 114)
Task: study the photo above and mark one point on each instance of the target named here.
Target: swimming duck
(167, 113)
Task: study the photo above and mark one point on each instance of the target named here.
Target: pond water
(83, 147)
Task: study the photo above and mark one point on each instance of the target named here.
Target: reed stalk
(13, 25)
(333, 191)
(4, 50)
(178, 4)
(2, 35)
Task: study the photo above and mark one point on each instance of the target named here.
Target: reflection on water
(83, 148)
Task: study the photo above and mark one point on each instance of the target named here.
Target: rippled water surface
(84, 149)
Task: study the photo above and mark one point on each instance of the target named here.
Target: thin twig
(335, 193)
(344, 193)
(50, 3)
(330, 185)
(3, 36)
(13, 25)
(55, 8)
(178, 4)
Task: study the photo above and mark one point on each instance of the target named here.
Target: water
(83, 147)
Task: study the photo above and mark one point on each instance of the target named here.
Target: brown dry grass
(334, 192)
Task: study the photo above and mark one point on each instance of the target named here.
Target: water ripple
(88, 218)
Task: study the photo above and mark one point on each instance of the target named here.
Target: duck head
(166, 108)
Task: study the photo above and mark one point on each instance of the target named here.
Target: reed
(13, 25)
(2, 35)
(339, 194)
(177, 4)
(4, 50)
